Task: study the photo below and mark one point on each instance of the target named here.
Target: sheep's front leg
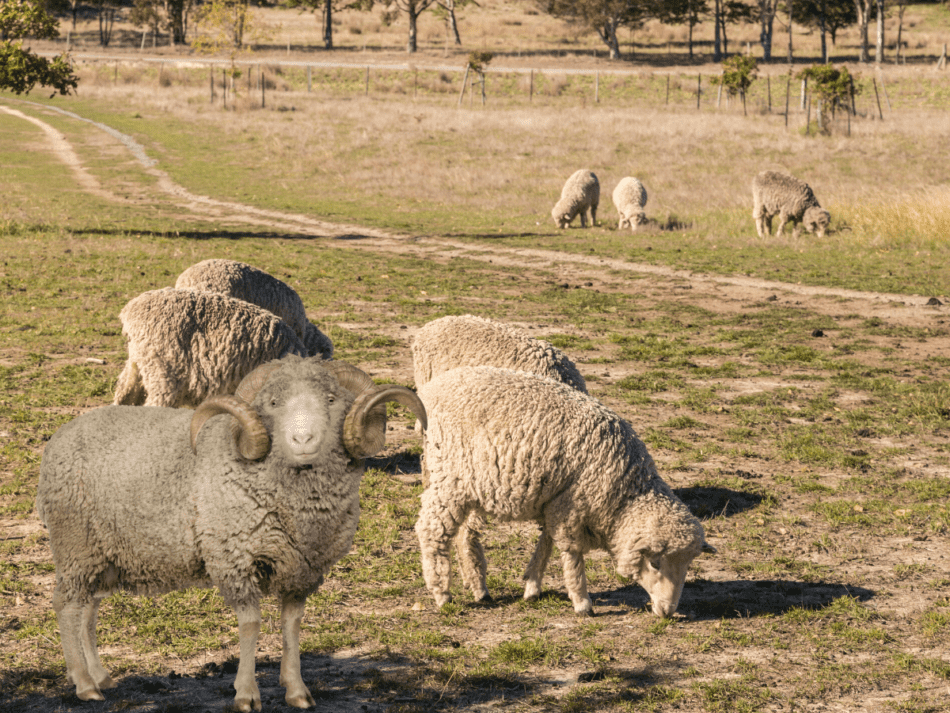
(248, 695)
(534, 574)
(291, 613)
(90, 617)
(782, 220)
(72, 617)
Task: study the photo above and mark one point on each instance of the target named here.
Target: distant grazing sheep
(244, 282)
(255, 493)
(581, 193)
(517, 446)
(790, 199)
(629, 198)
(185, 346)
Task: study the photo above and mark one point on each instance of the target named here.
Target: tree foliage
(605, 17)
(832, 85)
(738, 73)
(21, 69)
(838, 14)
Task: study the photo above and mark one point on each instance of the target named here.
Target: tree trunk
(765, 37)
(717, 47)
(863, 9)
(328, 25)
(453, 23)
(412, 44)
(821, 25)
(790, 57)
(879, 52)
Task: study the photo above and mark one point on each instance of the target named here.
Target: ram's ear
(708, 549)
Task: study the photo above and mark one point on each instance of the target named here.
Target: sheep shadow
(707, 502)
(704, 600)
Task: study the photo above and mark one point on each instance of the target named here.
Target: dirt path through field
(908, 309)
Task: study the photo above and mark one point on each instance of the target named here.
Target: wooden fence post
(531, 87)
(464, 84)
(211, 81)
(941, 63)
(309, 79)
(884, 89)
(699, 89)
(768, 85)
(788, 91)
(260, 71)
(367, 81)
(878, 98)
(667, 89)
(808, 115)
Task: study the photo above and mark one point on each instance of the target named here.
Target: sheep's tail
(129, 389)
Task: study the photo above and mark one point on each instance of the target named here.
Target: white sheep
(581, 193)
(262, 501)
(630, 197)
(466, 340)
(185, 346)
(244, 282)
(790, 199)
(517, 446)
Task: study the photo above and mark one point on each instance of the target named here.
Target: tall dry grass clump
(920, 219)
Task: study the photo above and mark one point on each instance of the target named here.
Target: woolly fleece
(581, 192)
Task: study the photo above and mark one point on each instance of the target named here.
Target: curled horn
(361, 437)
(356, 381)
(248, 431)
(253, 441)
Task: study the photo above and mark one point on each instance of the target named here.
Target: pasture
(793, 391)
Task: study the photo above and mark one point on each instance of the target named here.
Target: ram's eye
(655, 564)
(331, 398)
(273, 403)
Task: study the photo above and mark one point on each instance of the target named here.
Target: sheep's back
(113, 490)
(629, 193)
(777, 191)
(467, 340)
(209, 340)
(513, 441)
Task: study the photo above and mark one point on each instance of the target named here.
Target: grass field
(807, 426)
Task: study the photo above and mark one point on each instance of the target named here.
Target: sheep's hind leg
(534, 574)
(297, 694)
(575, 579)
(472, 560)
(71, 617)
(90, 617)
(436, 527)
(248, 695)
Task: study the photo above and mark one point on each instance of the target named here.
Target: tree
(738, 73)
(172, 15)
(412, 10)
(734, 12)
(879, 51)
(832, 86)
(767, 10)
(446, 9)
(835, 14)
(605, 17)
(863, 11)
(326, 8)
(20, 69)
(688, 12)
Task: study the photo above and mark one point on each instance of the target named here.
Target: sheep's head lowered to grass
(816, 220)
(298, 418)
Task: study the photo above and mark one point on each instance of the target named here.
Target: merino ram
(792, 200)
(185, 346)
(244, 282)
(262, 501)
(517, 446)
(581, 192)
(630, 197)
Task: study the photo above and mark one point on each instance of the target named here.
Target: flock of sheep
(773, 194)
(256, 490)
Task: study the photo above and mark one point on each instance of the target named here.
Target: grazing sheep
(263, 501)
(580, 193)
(517, 446)
(185, 346)
(629, 198)
(244, 282)
(790, 199)
(448, 342)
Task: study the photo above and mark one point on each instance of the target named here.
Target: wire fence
(259, 80)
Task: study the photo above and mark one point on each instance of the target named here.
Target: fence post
(667, 89)
(224, 88)
(699, 88)
(878, 98)
(804, 90)
(788, 91)
(531, 87)
(464, 84)
(211, 81)
(719, 93)
(941, 63)
(309, 79)
(367, 81)
(808, 115)
(596, 87)
(260, 72)
(768, 84)
(884, 89)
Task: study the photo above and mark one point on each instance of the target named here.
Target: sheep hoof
(90, 694)
(484, 599)
(584, 612)
(106, 683)
(442, 599)
(246, 704)
(300, 700)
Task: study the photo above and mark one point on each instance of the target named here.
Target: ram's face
(304, 417)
